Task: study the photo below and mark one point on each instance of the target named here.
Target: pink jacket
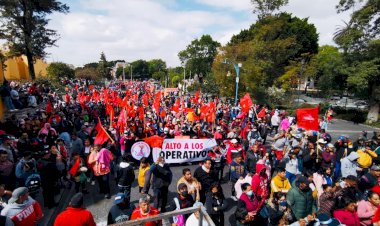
(366, 211)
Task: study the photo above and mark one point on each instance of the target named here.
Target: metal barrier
(163, 216)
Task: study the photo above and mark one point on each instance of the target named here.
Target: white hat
(330, 145)
(234, 141)
(321, 141)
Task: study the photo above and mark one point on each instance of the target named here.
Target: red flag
(121, 120)
(141, 113)
(197, 95)
(262, 113)
(176, 106)
(49, 107)
(67, 98)
(74, 168)
(163, 113)
(307, 118)
(102, 135)
(145, 99)
(245, 103)
(154, 141)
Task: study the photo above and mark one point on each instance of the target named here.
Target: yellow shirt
(141, 176)
(365, 158)
(279, 185)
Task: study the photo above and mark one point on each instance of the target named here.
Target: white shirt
(192, 221)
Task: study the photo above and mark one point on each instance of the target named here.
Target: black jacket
(206, 179)
(119, 213)
(162, 175)
(251, 160)
(212, 201)
(125, 174)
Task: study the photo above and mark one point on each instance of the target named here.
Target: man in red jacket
(75, 214)
(145, 210)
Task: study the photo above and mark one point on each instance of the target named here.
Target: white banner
(186, 150)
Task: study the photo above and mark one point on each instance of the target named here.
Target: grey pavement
(99, 206)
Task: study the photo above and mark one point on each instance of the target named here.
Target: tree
(103, 67)
(24, 27)
(87, 73)
(328, 69)
(140, 69)
(58, 70)
(359, 39)
(265, 8)
(156, 65)
(199, 55)
(266, 50)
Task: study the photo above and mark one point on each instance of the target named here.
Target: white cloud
(130, 30)
(237, 5)
(147, 29)
(322, 14)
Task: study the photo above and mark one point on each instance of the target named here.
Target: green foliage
(359, 39)
(140, 69)
(58, 70)
(363, 26)
(156, 65)
(266, 8)
(199, 55)
(54, 84)
(159, 75)
(102, 67)
(208, 86)
(88, 73)
(24, 27)
(175, 75)
(271, 47)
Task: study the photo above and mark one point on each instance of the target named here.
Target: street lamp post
(237, 67)
(301, 75)
(131, 71)
(124, 72)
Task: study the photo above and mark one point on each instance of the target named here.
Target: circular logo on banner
(140, 149)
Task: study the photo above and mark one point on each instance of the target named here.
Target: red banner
(307, 118)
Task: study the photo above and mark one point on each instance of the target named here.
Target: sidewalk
(50, 214)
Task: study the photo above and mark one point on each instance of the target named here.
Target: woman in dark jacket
(216, 204)
(279, 211)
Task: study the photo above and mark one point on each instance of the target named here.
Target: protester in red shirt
(145, 210)
(234, 149)
(75, 214)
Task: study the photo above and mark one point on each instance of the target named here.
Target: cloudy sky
(149, 29)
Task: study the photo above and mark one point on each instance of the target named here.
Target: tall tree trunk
(29, 56)
(27, 20)
(374, 106)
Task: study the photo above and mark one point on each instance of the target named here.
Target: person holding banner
(161, 179)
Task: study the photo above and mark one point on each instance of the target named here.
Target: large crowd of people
(84, 137)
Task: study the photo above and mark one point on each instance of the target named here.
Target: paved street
(100, 206)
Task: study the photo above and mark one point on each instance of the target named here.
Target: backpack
(33, 183)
